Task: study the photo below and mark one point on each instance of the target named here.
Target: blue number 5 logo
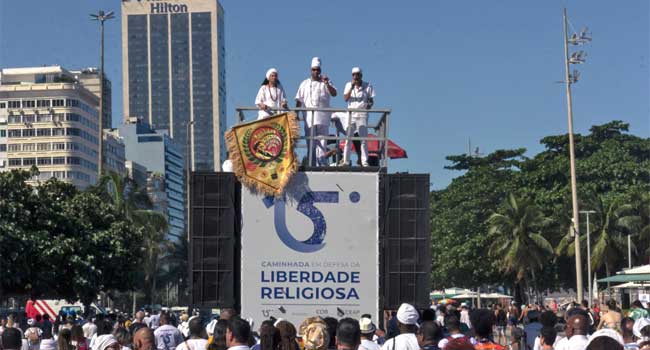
(305, 206)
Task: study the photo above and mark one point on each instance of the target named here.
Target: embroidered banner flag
(262, 152)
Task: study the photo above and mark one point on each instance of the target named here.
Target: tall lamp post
(101, 16)
(587, 212)
(188, 173)
(569, 78)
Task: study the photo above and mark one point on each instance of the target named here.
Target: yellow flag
(262, 152)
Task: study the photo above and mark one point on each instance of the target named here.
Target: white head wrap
(271, 71)
(639, 325)
(210, 327)
(605, 332)
(315, 62)
(406, 314)
(356, 70)
(104, 341)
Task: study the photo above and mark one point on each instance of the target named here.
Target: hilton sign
(164, 7)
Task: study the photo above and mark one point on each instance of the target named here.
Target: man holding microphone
(358, 94)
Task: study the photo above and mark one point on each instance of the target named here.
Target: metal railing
(380, 128)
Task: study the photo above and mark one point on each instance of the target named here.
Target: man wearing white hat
(367, 332)
(270, 96)
(315, 92)
(358, 94)
(407, 320)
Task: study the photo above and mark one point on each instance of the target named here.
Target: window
(45, 161)
(74, 160)
(3, 105)
(58, 102)
(14, 133)
(73, 131)
(43, 118)
(59, 117)
(44, 132)
(58, 132)
(29, 118)
(43, 103)
(3, 133)
(72, 117)
(58, 174)
(149, 138)
(14, 119)
(14, 148)
(58, 160)
(15, 162)
(58, 146)
(71, 103)
(43, 146)
(29, 103)
(14, 104)
(3, 147)
(29, 147)
(29, 161)
(28, 132)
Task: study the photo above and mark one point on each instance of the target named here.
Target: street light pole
(574, 193)
(587, 212)
(101, 16)
(188, 174)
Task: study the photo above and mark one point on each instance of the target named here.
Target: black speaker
(405, 240)
(214, 240)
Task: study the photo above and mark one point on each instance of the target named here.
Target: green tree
(518, 244)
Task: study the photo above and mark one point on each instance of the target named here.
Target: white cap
(606, 333)
(366, 326)
(639, 325)
(271, 71)
(315, 62)
(406, 314)
(104, 341)
(356, 70)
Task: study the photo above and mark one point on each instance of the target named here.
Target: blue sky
(450, 70)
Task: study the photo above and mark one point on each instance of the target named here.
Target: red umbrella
(374, 147)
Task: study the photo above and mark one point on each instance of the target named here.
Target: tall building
(89, 78)
(164, 163)
(50, 121)
(173, 68)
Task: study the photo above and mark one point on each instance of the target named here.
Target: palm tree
(517, 242)
(637, 220)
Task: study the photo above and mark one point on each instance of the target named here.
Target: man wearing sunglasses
(315, 92)
(358, 94)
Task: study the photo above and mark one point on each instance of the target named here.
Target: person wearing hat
(271, 95)
(358, 94)
(407, 321)
(106, 342)
(367, 333)
(316, 92)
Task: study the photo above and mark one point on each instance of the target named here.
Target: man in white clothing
(577, 327)
(315, 92)
(195, 342)
(167, 336)
(407, 321)
(367, 329)
(358, 94)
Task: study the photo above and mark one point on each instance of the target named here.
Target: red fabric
(394, 150)
(30, 310)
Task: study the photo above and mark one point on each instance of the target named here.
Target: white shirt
(271, 97)
(538, 345)
(443, 342)
(406, 341)
(89, 329)
(314, 94)
(464, 318)
(167, 337)
(359, 97)
(576, 342)
(239, 347)
(193, 344)
(368, 345)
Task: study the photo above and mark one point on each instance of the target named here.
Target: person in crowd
(348, 334)
(167, 336)
(612, 319)
(227, 314)
(513, 315)
(270, 96)
(516, 339)
(316, 92)
(123, 337)
(547, 337)
(269, 337)
(287, 336)
(637, 311)
(547, 319)
(184, 324)
(89, 328)
(12, 323)
(407, 321)
(11, 339)
(48, 342)
(367, 329)
(577, 328)
(483, 322)
(641, 330)
(464, 316)
(218, 340)
(315, 333)
(78, 339)
(428, 335)
(393, 328)
(532, 328)
(627, 331)
(502, 323)
(238, 334)
(452, 323)
(105, 342)
(605, 339)
(64, 340)
(144, 339)
(137, 322)
(358, 94)
(33, 334)
(196, 340)
(458, 344)
(332, 325)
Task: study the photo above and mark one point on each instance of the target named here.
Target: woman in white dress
(271, 95)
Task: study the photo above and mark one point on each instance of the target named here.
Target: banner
(262, 152)
(313, 251)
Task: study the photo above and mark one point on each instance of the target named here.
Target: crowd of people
(445, 327)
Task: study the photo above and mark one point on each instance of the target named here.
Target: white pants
(362, 130)
(317, 147)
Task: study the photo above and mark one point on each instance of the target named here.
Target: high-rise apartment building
(173, 56)
(50, 121)
(89, 78)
